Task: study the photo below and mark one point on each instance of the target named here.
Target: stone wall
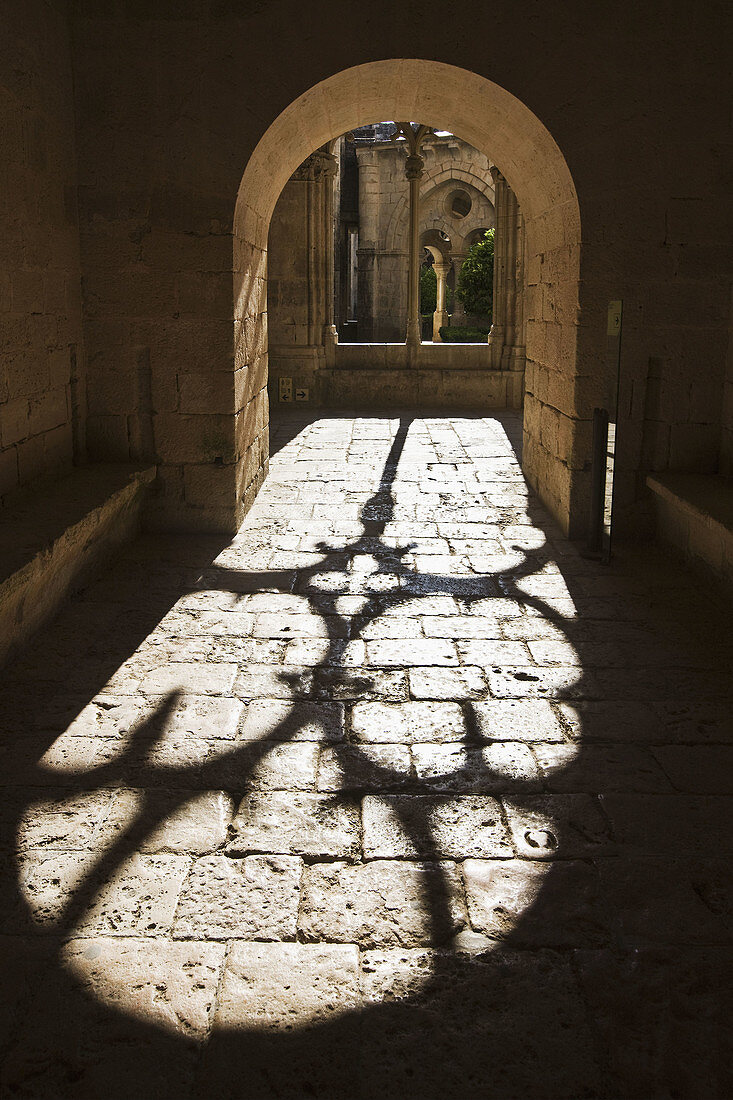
(156, 205)
(300, 280)
(622, 184)
(42, 370)
(289, 272)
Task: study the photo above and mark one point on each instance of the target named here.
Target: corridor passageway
(395, 794)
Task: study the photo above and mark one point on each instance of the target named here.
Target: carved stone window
(458, 204)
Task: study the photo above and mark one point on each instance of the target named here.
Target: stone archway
(489, 118)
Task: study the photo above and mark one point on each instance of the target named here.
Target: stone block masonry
(42, 382)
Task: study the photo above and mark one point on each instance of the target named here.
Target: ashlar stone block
(516, 720)
(527, 901)
(399, 826)
(296, 824)
(465, 769)
(251, 898)
(447, 683)
(297, 721)
(138, 897)
(67, 823)
(281, 986)
(564, 826)
(407, 722)
(171, 984)
(199, 678)
(384, 903)
(415, 651)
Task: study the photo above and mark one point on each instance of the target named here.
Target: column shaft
(414, 173)
(413, 170)
(496, 336)
(440, 317)
(510, 274)
(519, 350)
(330, 336)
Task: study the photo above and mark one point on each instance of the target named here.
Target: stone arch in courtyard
(435, 182)
(492, 120)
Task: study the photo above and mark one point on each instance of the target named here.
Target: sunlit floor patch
(325, 771)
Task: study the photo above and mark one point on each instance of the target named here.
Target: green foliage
(460, 335)
(476, 280)
(429, 292)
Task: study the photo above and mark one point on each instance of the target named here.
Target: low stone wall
(53, 539)
(442, 356)
(447, 376)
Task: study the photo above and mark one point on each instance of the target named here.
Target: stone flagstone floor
(393, 795)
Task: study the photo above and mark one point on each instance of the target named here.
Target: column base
(517, 357)
(440, 319)
(496, 346)
(414, 334)
(330, 340)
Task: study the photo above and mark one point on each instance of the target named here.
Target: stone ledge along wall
(171, 106)
(726, 428)
(42, 366)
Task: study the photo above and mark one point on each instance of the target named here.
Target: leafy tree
(428, 290)
(476, 280)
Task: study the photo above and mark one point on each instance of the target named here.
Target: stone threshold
(52, 537)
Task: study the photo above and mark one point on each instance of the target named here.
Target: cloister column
(413, 170)
(440, 317)
(330, 335)
(367, 252)
(506, 339)
(510, 274)
(518, 353)
(496, 335)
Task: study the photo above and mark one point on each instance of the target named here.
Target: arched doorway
(487, 116)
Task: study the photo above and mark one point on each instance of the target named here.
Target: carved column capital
(414, 166)
(316, 166)
(329, 164)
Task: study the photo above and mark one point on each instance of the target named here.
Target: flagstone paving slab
(395, 787)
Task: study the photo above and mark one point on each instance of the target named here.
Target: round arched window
(459, 204)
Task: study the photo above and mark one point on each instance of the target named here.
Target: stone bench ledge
(50, 537)
(695, 516)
